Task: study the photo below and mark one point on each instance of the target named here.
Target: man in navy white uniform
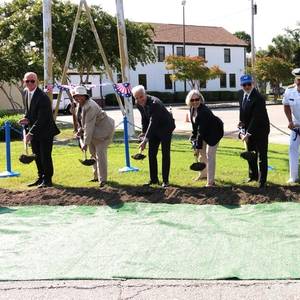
(291, 102)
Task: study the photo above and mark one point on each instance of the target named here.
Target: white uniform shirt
(292, 99)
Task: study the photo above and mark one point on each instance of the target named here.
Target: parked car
(64, 104)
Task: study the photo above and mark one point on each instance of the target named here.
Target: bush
(179, 97)
(13, 119)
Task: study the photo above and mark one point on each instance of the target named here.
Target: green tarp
(150, 241)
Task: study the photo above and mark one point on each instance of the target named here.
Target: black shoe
(250, 180)
(262, 185)
(165, 185)
(94, 180)
(36, 183)
(45, 184)
(102, 184)
(150, 183)
(248, 155)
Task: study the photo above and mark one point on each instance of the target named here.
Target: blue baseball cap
(246, 79)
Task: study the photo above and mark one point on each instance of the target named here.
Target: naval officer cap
(296, 73)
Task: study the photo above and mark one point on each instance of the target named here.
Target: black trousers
(154, 143)
(260, 147)
(43, 150)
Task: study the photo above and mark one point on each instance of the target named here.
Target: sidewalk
(229, 116)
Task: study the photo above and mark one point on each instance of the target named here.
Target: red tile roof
(200, 35)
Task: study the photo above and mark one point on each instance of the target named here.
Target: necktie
(29, 100)
(245, 101)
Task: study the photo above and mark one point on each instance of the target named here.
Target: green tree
(242, 35)
(274, 70)
(21, 40)
(191, 68)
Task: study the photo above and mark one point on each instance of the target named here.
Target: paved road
(228, 115)
(151, 290)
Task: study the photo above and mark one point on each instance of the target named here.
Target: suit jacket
(156, 119)
(206, 126)
(39, 114)
(96, 124)
(254, 116)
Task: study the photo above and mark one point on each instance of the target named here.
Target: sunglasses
(247, 84)
(30, 81)
(195, 100)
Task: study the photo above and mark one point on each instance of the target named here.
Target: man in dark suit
(157, 127)
(41, 129)
(255, 125)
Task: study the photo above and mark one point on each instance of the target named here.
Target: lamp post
(183, 2)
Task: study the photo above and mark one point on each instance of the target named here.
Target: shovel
(26, 158)
(197, 166)
(138, 156)
(86, 161)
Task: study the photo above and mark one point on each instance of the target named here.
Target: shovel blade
(26, 159)
(87, 162)
(197, 166)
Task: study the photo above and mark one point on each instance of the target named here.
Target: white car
(64, 104)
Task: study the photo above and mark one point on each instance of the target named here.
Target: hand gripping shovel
(26, 158)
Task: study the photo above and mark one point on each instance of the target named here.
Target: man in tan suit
(95, 130)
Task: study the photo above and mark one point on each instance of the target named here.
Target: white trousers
(294, 156)
(207, 155)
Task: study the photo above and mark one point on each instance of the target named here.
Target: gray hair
(191, 94)
(137, 89)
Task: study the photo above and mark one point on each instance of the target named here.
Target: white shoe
(291, 181)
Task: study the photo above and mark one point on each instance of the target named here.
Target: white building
(215, 44)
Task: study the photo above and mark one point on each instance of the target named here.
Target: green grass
(231, 169)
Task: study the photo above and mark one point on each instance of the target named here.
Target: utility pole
(124, 61)
(183, 33)
(47, 36)
(253, 12)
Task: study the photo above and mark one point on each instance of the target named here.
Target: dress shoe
(94, 180)
(150, 183)
(291, 181)
(250, 180)
(165, 185)
(36, 183)
(45, 184)
(102, 184)
(262, 185)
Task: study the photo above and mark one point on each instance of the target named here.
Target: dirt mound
(117, 195)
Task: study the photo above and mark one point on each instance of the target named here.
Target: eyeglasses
(246, 84)
(30, 81)
(195, 100)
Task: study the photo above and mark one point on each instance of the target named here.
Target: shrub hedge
(179, 97)
(13, 119)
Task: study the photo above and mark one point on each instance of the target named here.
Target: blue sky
(234, 15)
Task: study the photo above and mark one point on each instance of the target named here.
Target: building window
(168, 82)
(201, 52)
(160, 53)
(179, 51)
(227, 56)
(232, 80)
(143, 80)
(203, 84)
(223, 83)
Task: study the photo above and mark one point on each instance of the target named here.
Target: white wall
(156, 72)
